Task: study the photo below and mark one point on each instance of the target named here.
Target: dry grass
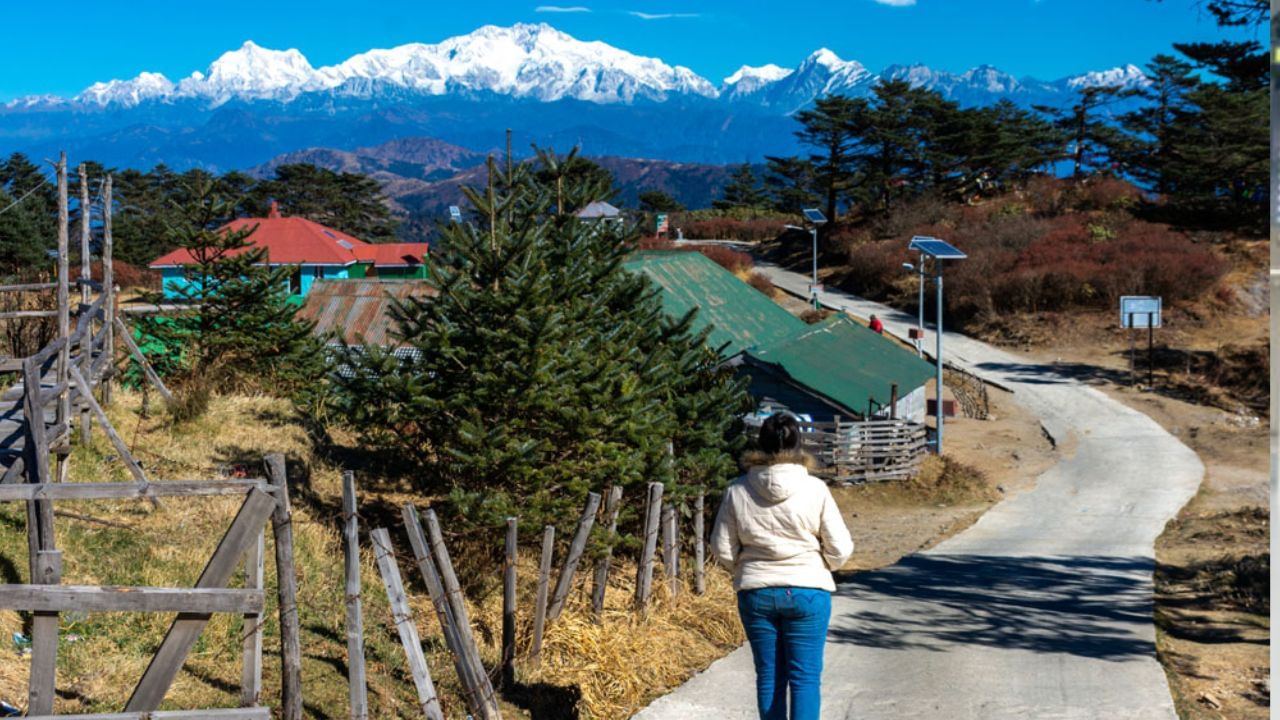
(599, 671)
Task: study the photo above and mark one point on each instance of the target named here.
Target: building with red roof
(316, 251)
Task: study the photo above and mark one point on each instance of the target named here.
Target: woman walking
(780, 533)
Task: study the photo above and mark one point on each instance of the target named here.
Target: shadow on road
(1094, 607)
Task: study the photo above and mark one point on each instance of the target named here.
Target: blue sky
(1042, 38)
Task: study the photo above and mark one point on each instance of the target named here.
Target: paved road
(1042, 609)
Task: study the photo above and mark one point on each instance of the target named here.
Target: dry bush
(124, 275)
(1046, 195)
(928, 209)
(724, 228)
(1103, 193)
(732, 260)
(761, 282)
(875, 268)
(947, 480)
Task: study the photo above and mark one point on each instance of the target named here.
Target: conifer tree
(241, 330)
(542, 369)
(743, 191)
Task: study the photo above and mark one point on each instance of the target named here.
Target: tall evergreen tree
(542, 369)
(241, 331)
(829, 129)
(791, 184)
(1146, 152)
(743, 191)
(1090, 135)
(349, 202)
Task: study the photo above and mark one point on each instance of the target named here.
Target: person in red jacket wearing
(876, 325)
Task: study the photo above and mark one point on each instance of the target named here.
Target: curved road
(1042, 609)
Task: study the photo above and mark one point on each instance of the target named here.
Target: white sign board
(1139, 311)
(455, 213)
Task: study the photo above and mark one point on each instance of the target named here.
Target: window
(295, 281)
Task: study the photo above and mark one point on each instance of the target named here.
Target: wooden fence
(866, 451)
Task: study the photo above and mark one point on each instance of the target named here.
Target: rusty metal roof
(358, 311)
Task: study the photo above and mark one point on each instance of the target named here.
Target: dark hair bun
(779, 432)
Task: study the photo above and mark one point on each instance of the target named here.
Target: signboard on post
(660, 221)
(455, 213)
(1140, 311)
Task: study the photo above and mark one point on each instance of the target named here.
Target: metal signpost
(939, 250)
(1137, 312)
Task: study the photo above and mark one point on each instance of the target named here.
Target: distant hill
(424, 176)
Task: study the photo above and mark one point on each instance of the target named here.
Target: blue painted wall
(174, 280)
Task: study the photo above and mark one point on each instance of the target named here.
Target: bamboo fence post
(358, 690)
(509, 605)
(565, 582)
(287, 591)
(644, 572)
(108, 287)
(142, 360)
(670, 552)
(402, 614)
(39, 512)
(86, 343)
(699, 544)
(446, 597)
(611, 507)
(540, 603)
(251, 639)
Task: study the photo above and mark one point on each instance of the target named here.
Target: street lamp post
(918, 339)
(815, 218)
(939, 250)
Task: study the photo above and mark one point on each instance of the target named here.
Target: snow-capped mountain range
(253, 103)
(541, 63)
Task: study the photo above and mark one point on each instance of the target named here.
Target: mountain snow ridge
(539, 62)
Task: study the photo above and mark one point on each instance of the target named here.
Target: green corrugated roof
(738, 314)
(847, 362)
(837, 358)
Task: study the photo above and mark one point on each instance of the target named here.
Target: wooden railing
(867, 451)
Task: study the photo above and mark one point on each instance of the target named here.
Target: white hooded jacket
(778, 526)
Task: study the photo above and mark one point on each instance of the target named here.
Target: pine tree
(1091, 136)
(1146, 152)
(831, 129)
(658, 201)
(542, 369)
(241, 331)
(349, 202)
(743, 191)
(790, 183)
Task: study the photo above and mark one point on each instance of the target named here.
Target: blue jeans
(787, 629)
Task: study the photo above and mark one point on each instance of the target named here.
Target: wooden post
(485, 704)
(565, 582)
(251, 633)
(540, 602)
(39, 512)
(699, 544)
(44, 639)
(893, 401)
(287, 592)
(402, 614)
(86, 343)
(509, 605)
(454, 622)
(644, 572)
(355, 619)
(108, 287)
(64, 310)
(86, 397)
(670, 553)
(142, 360)
(612, 505)
(184, 631)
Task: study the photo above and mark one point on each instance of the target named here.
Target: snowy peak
(252, 72)
(1127, 76)
(127, 93)
(763, 73)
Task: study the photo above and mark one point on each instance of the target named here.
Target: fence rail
(867, 451)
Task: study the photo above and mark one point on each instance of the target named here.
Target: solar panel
(814, 215)
(935, 248)
(345, 244)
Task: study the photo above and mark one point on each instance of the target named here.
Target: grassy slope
(601, 669)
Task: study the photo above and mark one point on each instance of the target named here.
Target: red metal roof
(392, 254)
(298, 241)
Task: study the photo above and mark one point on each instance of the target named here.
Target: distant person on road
(780, 533)
(876, 325)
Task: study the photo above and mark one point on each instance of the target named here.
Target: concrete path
(1041, 610)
